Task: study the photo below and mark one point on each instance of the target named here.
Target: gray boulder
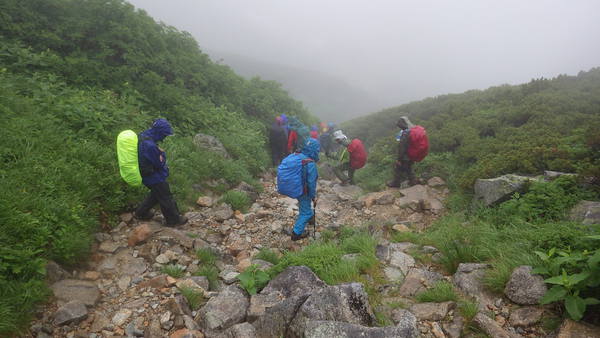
(345, 303)
(524, 288)
(406, 322)
(586, 212)
(275, 320)
(210, 143)
(76, 290)
(55, 272)
(331, 329)
(222, 212)
(242, 330)
(496, 190)
(326, 171)
(223, 311)
(468, 278)
(294, 281)
(73, 311)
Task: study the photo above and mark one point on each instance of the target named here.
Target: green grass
(206, 256)
(268, 255)
(397, 305)
(468, 309)
(194, 297)
(238, 200)
(211, 273)
(381, 319)
(173, 270)
(442, 291)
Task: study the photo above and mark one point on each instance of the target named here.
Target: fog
(395, 51)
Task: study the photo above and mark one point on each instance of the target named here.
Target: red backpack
(358, 154)
(418, 146)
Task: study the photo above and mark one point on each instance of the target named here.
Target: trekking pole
(313, 220)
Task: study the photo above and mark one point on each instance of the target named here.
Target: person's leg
(339, 172)
(412, 180)
(305, 213)
(398, 176)
(168, 206)
(143, 210)
(351, 174)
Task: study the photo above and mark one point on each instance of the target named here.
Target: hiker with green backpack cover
(152, 168)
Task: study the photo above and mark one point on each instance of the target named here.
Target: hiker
(403, 165)
(278, 141)
(154, 170)
(325, 139)
(309, 152)
(314, 132)
(352, 158)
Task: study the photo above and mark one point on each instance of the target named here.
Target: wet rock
(140, 234)
(346, 303)
(496, 190)
(226, 309)
(525, 316)
(73, 311)
(525, 288)
(586, 212)
(572, 329)
(76, 290)
(432, 311)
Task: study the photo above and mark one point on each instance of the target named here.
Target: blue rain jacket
(311, 150)
(151, 156)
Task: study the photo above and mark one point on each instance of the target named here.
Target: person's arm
(153, 155)
(311, 179)
(403, 146)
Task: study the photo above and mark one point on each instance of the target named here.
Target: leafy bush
(268, 255)
(238, 200)
(253, 279)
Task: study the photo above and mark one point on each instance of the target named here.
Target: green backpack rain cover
(127, 151)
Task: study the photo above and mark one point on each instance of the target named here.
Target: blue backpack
(291, 175)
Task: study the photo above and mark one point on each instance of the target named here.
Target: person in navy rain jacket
(154, 170)
(310, 150)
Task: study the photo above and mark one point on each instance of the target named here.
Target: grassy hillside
(72, 75)
(546, 124)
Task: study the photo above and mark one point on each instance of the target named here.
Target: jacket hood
(284, 118)
(311, 149)
(407, 122)
(159, 130)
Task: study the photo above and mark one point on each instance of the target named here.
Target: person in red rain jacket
(292, 141)
(314, 132)
(352, 158)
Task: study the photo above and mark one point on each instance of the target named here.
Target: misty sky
(399, 51)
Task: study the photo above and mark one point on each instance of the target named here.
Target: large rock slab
(412, 195)
(525, 288)
(586, 212)
(223, 311)
(294, 281)
(68, 290)
(174, 236)
(73, 311)
(496, 190)
(345, 303)
(123, 263)
(275, 320)
(210, 143)
(330, 329)
(432, 311)
(417, 281)
(347, 192)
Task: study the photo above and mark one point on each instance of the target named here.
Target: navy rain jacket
(150, 156)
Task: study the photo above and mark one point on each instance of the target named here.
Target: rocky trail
(123, 290)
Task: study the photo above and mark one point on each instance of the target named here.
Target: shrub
(206, 256)
(268, 255)
(173, 270)
(253, 279)
(194, 297)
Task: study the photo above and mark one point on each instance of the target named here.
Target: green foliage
(268, 255)
(194, 297)
(206, 256)
(238, 200)
(441, 292)
(211, 273)
(253, 279)
(468, 309)
(574, 276)
(173, 270)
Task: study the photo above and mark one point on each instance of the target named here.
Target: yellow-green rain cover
(127, 151)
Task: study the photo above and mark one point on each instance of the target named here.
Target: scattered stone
(525, 316)
(101, 322)
(402, 261)
(73, 311)
(121, 317)
(437, 330)
(321, 329)
(109, 246)
(71, 289)
(294, 281)
(226, 309)
(406, 322)
(432, 311)
(55, 272)
(139, 234)
(393, 274)
(417, 281)
(436, 182)
(91, 275)
(454, 329)
(186, 333)
(468, 278)
(492, 328)
(260, 302)
(222, 212)
(525, 288)
(401, 228)
(205, 201)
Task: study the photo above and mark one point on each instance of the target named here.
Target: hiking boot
(146, 217)
(299, 237)
(182, 220)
